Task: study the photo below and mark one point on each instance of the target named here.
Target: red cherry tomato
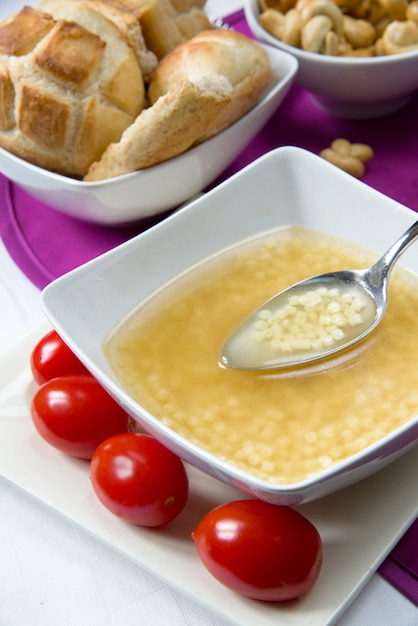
(139, 480)
(51, 357)
(260, 550)
(75, 414)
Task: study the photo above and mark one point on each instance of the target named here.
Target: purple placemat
(401, 566)
(46, 244)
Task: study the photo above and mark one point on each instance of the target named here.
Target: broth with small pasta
(281, 427)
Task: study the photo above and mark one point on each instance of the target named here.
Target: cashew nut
(361, 9)
(331, 44)
(349, 157)
(360, 33)
(396, 9)
(400, 37)
(412, 11)
(285, 27)
(301, 5)
(324, 8)
(379, 47)
(282, 6)
(377, 13)
(361, 151)
(314, 33)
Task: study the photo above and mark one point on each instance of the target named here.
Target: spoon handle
(380, 271)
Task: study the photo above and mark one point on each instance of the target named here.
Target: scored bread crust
(119, 89)
(217, 52)
(165, 130)
(68, 87)
(125, 21)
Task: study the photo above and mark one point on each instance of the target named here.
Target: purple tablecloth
(45, 244)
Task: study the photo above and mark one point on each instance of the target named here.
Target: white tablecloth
(54, 574)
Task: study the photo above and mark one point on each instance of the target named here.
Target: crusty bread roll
(68, 87)
(190, 23)
(166, 23)
(216, 52)
(126, 22)
(166, 129)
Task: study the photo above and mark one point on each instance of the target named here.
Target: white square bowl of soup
(149, 319)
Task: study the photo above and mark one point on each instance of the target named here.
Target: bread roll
(166, 23)
(217, 52)
(166, 129)
(69, 86)
(191, 23)
(126, 22)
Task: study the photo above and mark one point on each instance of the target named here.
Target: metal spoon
(320, 320)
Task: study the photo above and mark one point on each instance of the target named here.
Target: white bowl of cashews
(359, 58)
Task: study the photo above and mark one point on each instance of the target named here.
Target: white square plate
(358, 525)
